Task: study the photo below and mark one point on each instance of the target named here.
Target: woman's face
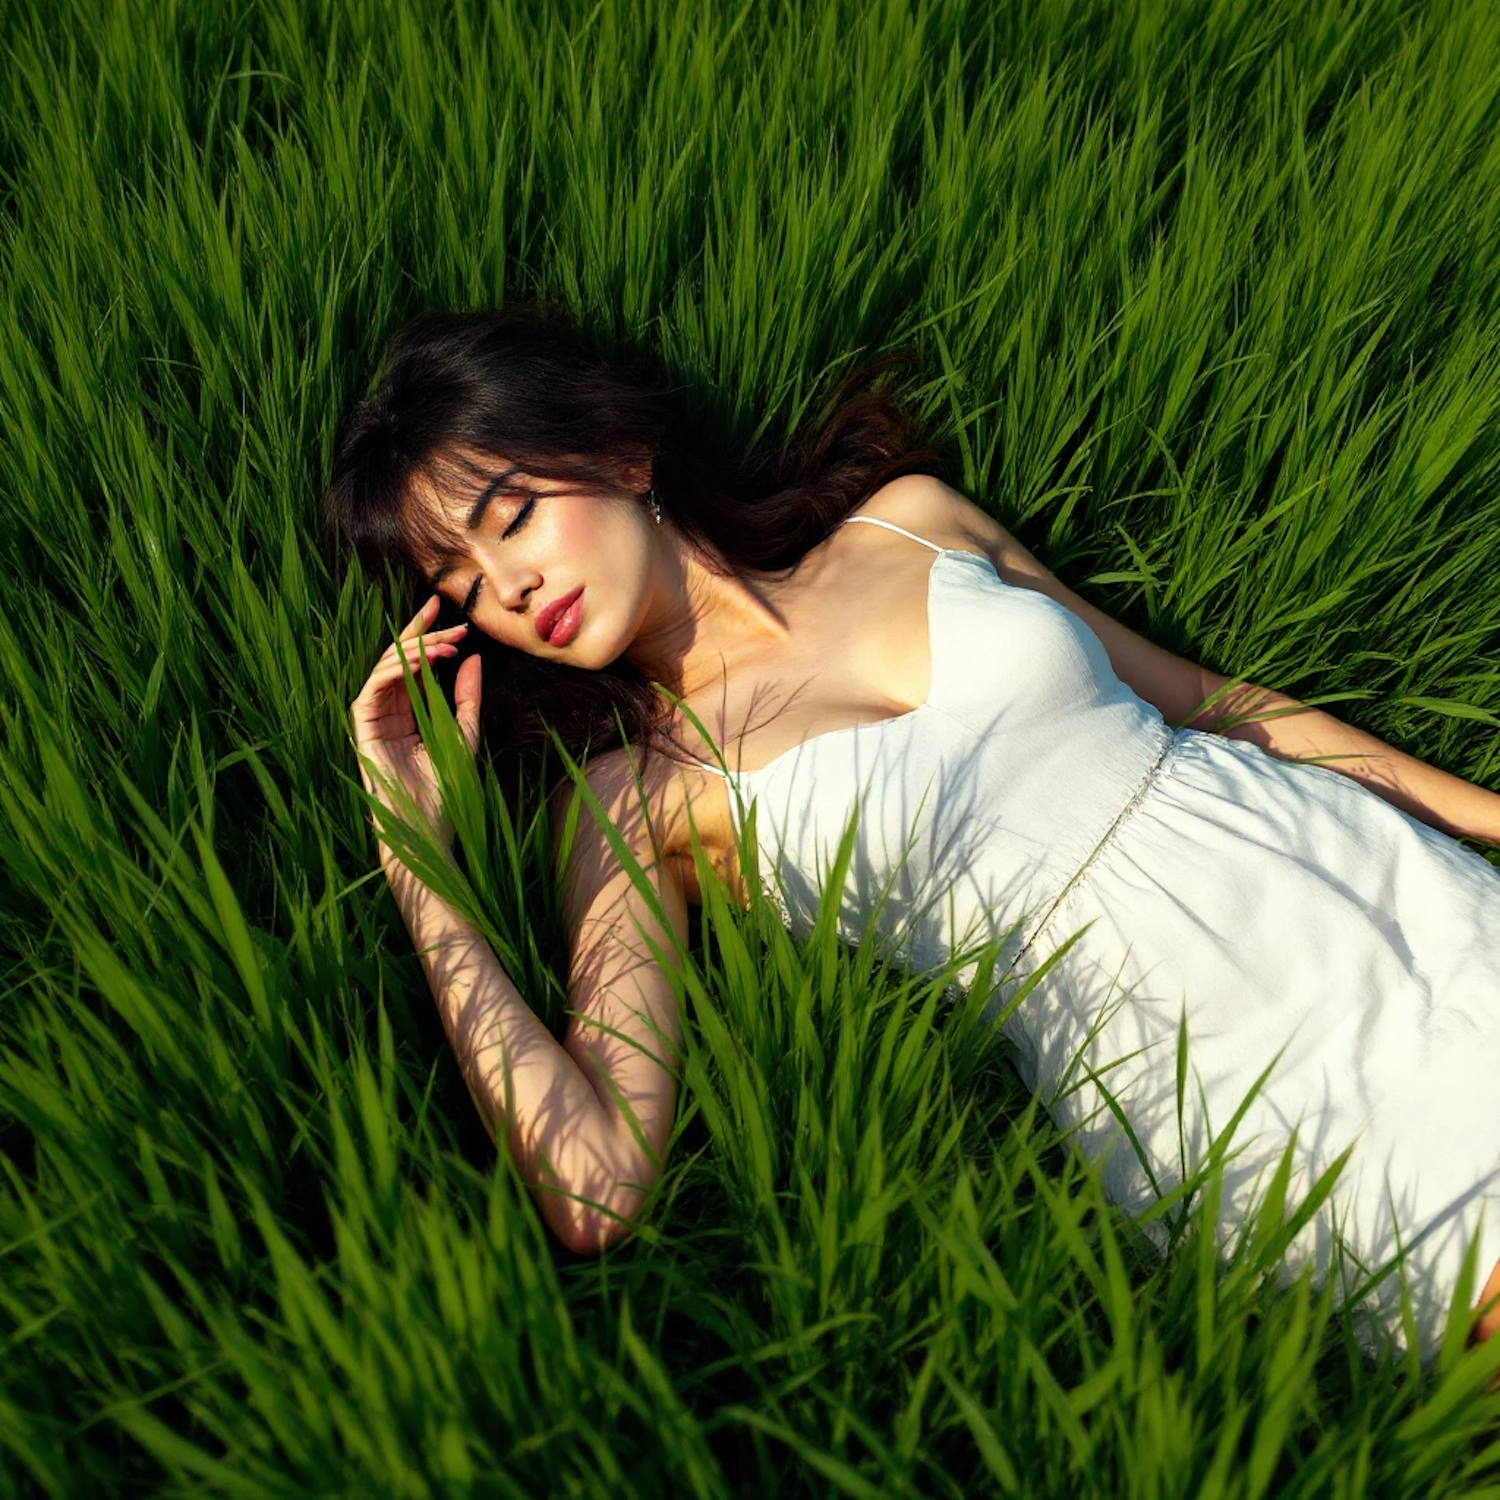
(522, 547)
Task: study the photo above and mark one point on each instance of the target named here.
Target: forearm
(1294, 731)
(526, 1087)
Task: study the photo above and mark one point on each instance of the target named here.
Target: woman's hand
(385, 727)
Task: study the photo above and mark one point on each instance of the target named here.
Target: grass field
(1207, 298)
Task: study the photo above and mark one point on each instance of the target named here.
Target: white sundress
(1280, 905)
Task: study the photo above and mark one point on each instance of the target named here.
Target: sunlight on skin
(648, 597)
(1486, 1326)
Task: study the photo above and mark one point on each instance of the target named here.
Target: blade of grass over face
(1207, 312)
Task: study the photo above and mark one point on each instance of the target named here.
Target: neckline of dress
(925, 706)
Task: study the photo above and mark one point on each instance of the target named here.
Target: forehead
(449, 486)
(447, 498)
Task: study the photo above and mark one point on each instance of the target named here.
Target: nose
(516, 590)
(511, 579)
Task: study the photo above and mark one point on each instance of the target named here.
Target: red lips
(549, 614)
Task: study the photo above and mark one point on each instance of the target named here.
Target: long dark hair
(521, 384)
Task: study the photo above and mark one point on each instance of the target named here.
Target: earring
(653, 500)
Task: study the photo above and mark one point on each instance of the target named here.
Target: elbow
(1240, 709)
(594, 1206)
(594, 1237)
(593, 1233)
(591, 1227)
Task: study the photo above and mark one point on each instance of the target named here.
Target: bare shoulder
(630, 796)
(935, 510)
(654, 810)
(608, 820)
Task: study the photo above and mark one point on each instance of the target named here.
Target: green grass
(1208, 303)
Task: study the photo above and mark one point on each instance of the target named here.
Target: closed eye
(520, 519)
(511, 530)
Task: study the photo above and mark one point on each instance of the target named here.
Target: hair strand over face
(462, 396)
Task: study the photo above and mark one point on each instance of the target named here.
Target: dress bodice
(978, 807)
(1332, 963)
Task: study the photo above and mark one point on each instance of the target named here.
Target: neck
(701, 625)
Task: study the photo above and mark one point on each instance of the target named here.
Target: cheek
(581, 531)
(600, 547)
(612, 559)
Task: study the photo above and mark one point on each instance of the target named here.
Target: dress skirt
(1283, 906)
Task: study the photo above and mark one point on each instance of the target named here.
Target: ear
(636, 467)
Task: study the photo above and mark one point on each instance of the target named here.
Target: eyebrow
(476, 515)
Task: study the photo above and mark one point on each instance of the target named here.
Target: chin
(590, 660)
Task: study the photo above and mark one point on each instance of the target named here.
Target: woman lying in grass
(1143, 832)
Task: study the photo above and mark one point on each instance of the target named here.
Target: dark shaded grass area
(1206, 299)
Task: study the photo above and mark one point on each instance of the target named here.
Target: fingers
(387, 670)
(466, 699)
(423, 617)
(408, 643)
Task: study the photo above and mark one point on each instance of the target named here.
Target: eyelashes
(511, 530)
(520, 519)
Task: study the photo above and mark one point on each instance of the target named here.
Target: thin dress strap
(891, 526)
(874, 521)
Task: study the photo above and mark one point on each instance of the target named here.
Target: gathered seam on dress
(1173, 742)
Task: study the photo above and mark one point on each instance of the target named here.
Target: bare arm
(567, 1143)
(624, 1029)
(569, 1114)
(1292, 730)
(1282, 726)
